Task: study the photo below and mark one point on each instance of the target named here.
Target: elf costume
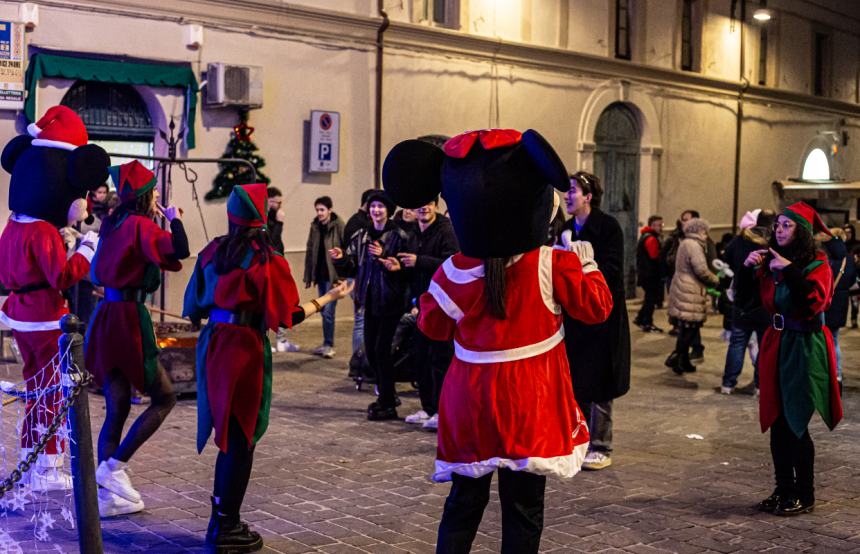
(128, 264)
(234, 358)
(797, 366)
(507, 401)
(51, 167)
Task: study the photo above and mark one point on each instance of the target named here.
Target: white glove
(89, 244)
(585, 251)
(565, 239)
(172, 212)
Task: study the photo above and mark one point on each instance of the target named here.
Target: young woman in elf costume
(244, 288)
(797, 364)
(120, 343)
(507, 402)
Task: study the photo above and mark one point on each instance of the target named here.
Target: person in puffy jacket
(688, 297)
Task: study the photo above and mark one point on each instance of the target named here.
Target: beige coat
(688, 299)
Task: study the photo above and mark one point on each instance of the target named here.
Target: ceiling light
(763, 14)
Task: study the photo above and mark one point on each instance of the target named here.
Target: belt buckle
(778, 322)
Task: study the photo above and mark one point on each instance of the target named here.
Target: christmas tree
(232, 174)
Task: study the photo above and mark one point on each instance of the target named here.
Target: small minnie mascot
(120, 345)
(507, 402)
(244, 288)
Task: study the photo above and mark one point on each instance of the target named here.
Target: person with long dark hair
(381, 285)
(797, 362)
(244, 288)
(599, 355)
(507, 402)
(120, 344)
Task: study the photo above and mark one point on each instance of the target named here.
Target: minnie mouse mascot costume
(507, 402)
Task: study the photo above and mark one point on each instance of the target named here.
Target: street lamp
(763, 15)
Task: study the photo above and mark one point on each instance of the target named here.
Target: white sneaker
(328, 352)
(111, 504)
(286, 346)
(596, 460)
(727, 390)
(418, 417)
(116, 480)
(46, 479)
(432, 423)
(318, 351)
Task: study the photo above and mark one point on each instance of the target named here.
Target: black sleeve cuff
(179, 240)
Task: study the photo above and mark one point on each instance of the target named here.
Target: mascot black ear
(88, 167)
(547, 161)
(13, 151)
(412, 173)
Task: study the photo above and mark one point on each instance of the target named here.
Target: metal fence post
(81, 443)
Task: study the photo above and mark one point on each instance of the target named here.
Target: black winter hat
(380, 196)
(497, 184)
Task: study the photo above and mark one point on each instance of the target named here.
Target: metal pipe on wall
(377, 132)
(739, 121)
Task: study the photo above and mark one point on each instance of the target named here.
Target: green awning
(44, 65)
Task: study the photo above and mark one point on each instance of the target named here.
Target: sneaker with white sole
(327, 352)
(318, 351)
(596, 460)
(418, 417)
(727, 390)
(116, 480)
(286, 346)
(432, 423)
(111, 504)
(47, 479)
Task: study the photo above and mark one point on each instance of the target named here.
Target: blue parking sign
(325, 152)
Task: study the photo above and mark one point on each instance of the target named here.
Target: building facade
(651, 95)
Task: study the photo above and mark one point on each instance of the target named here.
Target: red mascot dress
(50, 168)
(507, 400)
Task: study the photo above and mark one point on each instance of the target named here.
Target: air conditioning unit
(234, 85)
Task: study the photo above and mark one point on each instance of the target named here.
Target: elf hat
(132, 180)
(60, 127)
(805, 215)
(246, 205)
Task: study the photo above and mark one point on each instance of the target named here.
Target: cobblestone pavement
(326, 480)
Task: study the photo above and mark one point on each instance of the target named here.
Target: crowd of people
(512, 320)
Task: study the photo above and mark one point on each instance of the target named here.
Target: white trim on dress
(461, 276)
(510, 355)
(560, 466)
(545, 280)
(448, 306)
(28, 326)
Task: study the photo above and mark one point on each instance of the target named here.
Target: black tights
(793, 461)
(686, 338)
(233, 471)
(521, 495)
(117, 390)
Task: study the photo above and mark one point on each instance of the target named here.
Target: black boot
(227, 534)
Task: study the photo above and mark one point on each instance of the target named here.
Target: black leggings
(521, 495)
(117, 390)
(233, 471)
(686, 338)
(793, 461)
(378, 336)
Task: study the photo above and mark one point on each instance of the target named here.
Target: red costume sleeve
(50, 253)
(433, 321)
(157, 245)
(585, 296)
(279, 292)
(652, 247)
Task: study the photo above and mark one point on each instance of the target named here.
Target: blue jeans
(738, 342)
(327, 314)
(599, 417)
(835, 333)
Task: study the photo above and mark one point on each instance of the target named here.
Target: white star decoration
(46, 520)
(67, 515)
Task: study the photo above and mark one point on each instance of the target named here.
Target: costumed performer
(507, 401)
(120, 346)
(796, 361)
(244, 288)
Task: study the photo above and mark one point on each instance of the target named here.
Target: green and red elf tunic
(234, 360)
(797, 361)
(131, 254)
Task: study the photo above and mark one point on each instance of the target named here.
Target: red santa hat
(132, 180)
(805, 215)
(60, 127)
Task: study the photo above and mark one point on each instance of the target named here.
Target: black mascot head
(497, 184)
(53, 166)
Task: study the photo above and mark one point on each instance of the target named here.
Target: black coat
(379, 291)
(358, 221)
(433, 246)
(747, 313)
(599, 355)
(837, 315)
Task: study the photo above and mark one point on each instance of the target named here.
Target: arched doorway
(616, 162)
(116, 117)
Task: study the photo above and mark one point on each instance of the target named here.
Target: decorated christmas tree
(232, 174)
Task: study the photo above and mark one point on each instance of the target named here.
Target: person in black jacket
(432, 242)
(599, 355)
(381, 284)
(747, 315)
(359, 220)
(844, 277)
(648, 274)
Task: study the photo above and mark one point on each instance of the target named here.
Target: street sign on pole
(324, 150)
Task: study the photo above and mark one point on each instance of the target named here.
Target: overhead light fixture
(763, 15)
